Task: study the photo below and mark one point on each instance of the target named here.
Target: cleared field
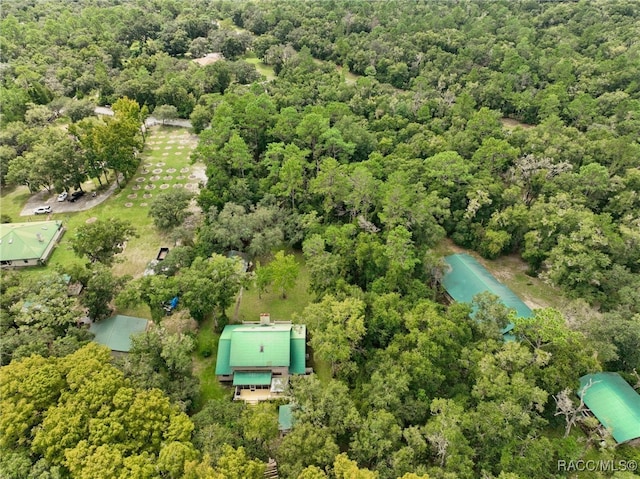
(262, 68)
(251, 304)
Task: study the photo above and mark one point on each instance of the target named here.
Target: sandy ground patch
(209, 58)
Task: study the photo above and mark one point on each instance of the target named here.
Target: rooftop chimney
(265, 319)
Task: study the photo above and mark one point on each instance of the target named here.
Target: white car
(41, 210)
(62, 196)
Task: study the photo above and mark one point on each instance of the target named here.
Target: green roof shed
(614, 403)
(285, 418)
(465, 278)
(115, 332)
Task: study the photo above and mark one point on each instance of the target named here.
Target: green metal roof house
(28, 244)
(465, 278)
(614, 403)
(261, 356)
(115, 332)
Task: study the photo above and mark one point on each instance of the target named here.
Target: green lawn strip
(204, 365)
(322, 369)
(12, 201)
(137, 311)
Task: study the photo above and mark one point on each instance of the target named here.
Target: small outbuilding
(115, 332)
(285, 418)
(614, 403)
(465, 278)
(28, 244)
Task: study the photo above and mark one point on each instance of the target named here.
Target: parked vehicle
(62, 196)
(75, 196)
(42, 210)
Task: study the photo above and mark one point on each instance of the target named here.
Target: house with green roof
(257, 358)
(465, 278)
(614, 403)
(28, 244)
(115, 332)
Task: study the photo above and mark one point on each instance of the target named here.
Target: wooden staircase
(271, 472)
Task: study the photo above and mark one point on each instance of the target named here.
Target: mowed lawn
(271, 301)
(262, 68)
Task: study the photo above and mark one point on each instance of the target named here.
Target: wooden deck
(254, 397)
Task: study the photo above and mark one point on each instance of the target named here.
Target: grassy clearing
(271, 302)
(349, 78)
(262, 68)
(510, 124)
(12, 201)
(204, 365)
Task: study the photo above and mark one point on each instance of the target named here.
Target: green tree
(445, 434)
(160, 359)
(165, 112)
(290, 178)
(260, 427)
(378, 436)
(210, 286)
(337, 328)
(217, 425)
(562, 354)
(101, 240)
(152, 290)
(100, 289)
(401, 258)
(81, 413)
(170, 209)
(234, 464)
(283, 271)
(255, 232)
(76, 110)
(344, 468)
(310, 131)
(305, 446)
(324, 405)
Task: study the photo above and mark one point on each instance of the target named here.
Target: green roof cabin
(465, 278)
(28, 244)
(115, 332)
(614, 403)
(257, 358)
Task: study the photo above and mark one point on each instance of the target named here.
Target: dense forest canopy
(381, 128)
